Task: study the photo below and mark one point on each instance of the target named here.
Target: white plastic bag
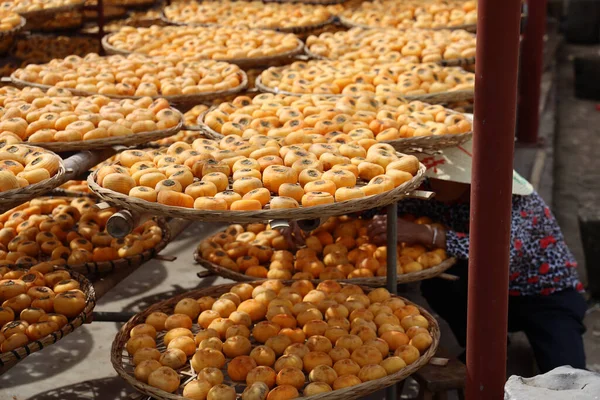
(562, 383)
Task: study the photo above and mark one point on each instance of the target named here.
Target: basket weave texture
(377, 281)
(176, 99)
(129, 140)
(339, 208)
(50, 12)
(410, 145)
(9, 359)
(431, 98)
(12, 198)
(349, 24)
(122, 362)
(279, 59)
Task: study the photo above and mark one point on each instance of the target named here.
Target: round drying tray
(177, 99)
(278, 59)
(456, 62)
(12, 198)
(434, 142)
(349, 24)
(288, 29)
(7, 38)
(431, 98)
(123, 363)
(9, 359)
(412, 144)
(51, 12)
(129, 140)
(132, 5)
(376, 281)
(105, 267)
(14, 31)
(338, 208)
(312, 2)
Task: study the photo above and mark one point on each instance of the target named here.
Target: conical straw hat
(454, 164)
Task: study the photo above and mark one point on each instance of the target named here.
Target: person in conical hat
(544, 289)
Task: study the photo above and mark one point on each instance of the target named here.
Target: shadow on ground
(99, 389)
(52, 360)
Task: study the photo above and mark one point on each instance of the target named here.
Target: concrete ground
(79, 366)
(576, 176)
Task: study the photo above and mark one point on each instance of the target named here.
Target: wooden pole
(530, 72)
(392, 273)
(493, 148)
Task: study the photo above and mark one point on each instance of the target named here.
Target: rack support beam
(391, 393)
(493, 148)
(530, 72)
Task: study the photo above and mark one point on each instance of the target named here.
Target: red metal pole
(530, 72)
(494, 125)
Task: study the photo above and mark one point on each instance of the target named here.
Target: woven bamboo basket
(177, 99)
(244, 63)
(377, 281)
(420, 143)
(287, 29)
(412, 144)
(132, 5)
(105, 267)
(339, 208)
(313, 2)
(349, 24)
(7, 38)
(123, 364)
(431, 98)
(130, 140)
(72, 16)
(50, 12)
(457, 62)
(12, 198)
(9, 359)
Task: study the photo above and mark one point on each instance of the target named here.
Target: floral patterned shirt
(540, 261)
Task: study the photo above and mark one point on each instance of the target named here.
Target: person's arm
(456, 244)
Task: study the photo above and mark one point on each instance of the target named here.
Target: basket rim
(115, 265)
(15, 31)
(51, 11)
(375, 281)
(11, 358)
(138, 5)
(246, 62)
(287, 29)
(338, 208)
(349, 393)
(104, 267)
(410, 145)
(182, 98)
(457, 95)
(349, 24)
(417, 144)
(311, 2)
(130, 140)
(455, 62)
(21, 195)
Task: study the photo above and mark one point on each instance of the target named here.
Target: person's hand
(294, 236)
(408, 232)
